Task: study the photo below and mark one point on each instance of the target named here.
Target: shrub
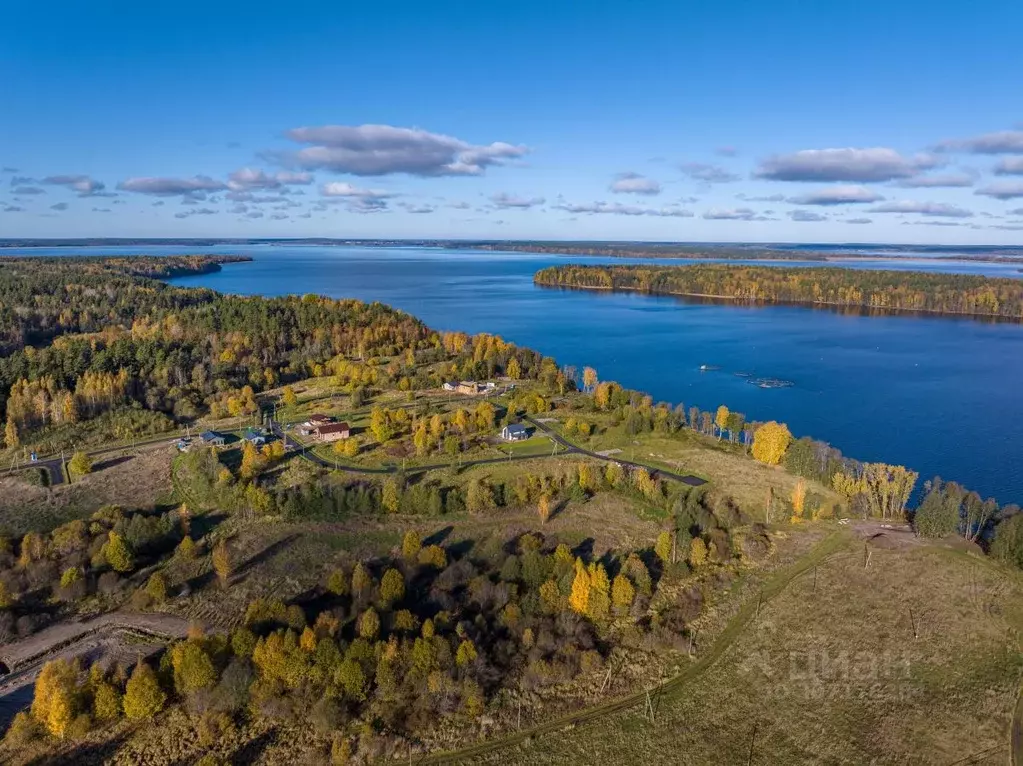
(156, 588)
(434, 556)
(106, 702)
(118, 554)
(79, 465)
(1008, 542)
(143, 697)
(337, 583)
(193, 669)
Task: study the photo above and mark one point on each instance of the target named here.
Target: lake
(939, 395)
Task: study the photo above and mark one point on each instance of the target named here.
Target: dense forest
(41, 298)
(85, 337)
(853, 288)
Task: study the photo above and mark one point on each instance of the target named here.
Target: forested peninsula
(945, 294)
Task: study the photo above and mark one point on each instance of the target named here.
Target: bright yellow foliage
(770, 442)
(798, 499)
(721, 418)
(466, 653)
(143, 697)
(580, 598)
(663, 547)
(222, 562)
(54, 703)
(697, 552)
(623, 593)
(543, 509)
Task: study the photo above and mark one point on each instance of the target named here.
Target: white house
(514, 432)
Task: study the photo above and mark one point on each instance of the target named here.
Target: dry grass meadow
(915, 659)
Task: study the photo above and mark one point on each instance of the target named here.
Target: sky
(732, 121)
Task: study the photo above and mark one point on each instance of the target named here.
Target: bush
(143, 697)
(79, 465)
(117, 553)
(156, 588)
(1008, 542)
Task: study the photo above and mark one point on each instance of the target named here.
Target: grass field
(835, 670)
(719, 462)
(140, 480)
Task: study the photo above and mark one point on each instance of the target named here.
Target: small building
(213, 438)
(332, 432)
(451, 385)
(255, 436)
(515, 432)
(470, 387)
(314, 422)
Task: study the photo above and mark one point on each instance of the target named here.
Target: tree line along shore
(951, 294)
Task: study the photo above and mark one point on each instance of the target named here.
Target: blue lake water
(940, 395)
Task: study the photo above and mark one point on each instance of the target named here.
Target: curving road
(115, 635)
(692, 481)
(567, 448)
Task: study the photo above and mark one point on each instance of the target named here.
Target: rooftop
(330, 428)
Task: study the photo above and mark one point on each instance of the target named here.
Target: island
(864, 289)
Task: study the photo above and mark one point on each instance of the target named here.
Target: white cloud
(169, 187)
(634, 183)
(195, 211)
(860, 221)
(848, 164)
(1002, 190)
(345, 189)
(84, 185)
(418, 209)
(506, 201)
(712, 174)
(1001, 142)
(769, 198)
(377, 150)
(837, 195)
(730, 214)
(1010, 166)
(248, 179)
(288, 178)
(806, 216)
(934, 209)
(616, 208)
(949, 180)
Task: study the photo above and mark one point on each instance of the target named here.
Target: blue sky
(729, 121)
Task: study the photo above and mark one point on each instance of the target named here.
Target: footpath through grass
(834, 542)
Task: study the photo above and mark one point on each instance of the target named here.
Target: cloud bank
(378, 150)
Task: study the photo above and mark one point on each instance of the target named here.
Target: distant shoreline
(610, 249)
